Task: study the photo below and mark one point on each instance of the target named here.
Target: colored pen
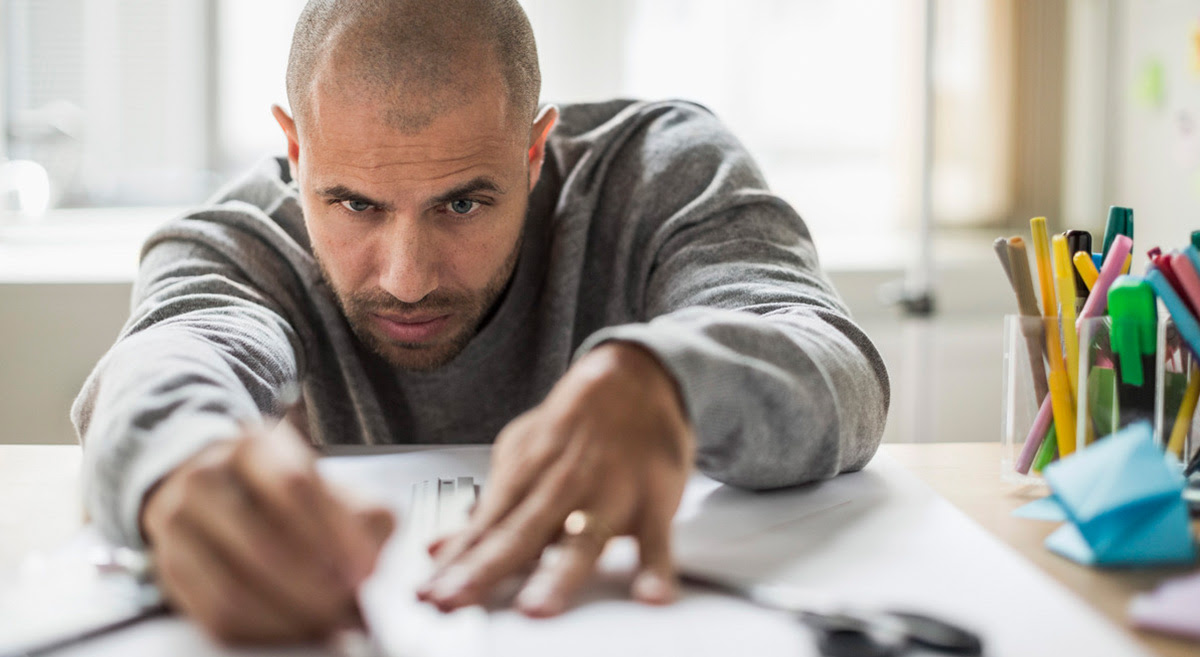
(1061, 400)
(1064, 279)
(1000, 246)
(1037, 434)
(1185, 321)
(1183, 420)
(1079, 241)
(1085, 268)
(1097, 301)
(1189, 281)
(1196, 238)
(1035, 336)
(1048, 451)
(1120, 222)
(1134, 334)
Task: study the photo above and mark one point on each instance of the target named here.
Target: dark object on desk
(1079, 240)
(847, 632)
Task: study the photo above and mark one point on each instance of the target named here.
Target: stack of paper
(1173, 608)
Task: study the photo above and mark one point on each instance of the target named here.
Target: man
(609, 292)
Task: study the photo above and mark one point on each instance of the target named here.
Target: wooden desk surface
(40, 493)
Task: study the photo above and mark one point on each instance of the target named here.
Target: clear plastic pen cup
(1178, 374)
(1124, 371)
(1025, 385)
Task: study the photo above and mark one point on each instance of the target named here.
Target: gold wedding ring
(584, 523)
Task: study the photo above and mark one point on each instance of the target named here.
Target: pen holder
(1124, 372)
(1175, 402)
(1024, 387)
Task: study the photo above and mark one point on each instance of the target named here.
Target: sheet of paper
(877, 538)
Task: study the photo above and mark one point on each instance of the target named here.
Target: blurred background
(907, 150)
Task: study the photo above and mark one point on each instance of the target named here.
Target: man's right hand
(250, 542)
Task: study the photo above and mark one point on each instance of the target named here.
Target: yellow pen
(1065, 281)
(1086, 268)
(1128, 263)
(1062, 403)
(1183, 421)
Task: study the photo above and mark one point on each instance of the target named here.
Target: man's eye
(356, 206)
(462, 206)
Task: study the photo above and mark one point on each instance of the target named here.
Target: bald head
(417, 58)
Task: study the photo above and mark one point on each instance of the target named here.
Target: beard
(469, 311)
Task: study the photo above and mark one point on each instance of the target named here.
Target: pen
(1120, 222)
(1095, 306)
(1000, 246)
(1065, 282)
(1189, 281)
(1062, 403)
(1085, 268)
(1079, 241)
(1134, 328)
(1183, 418)
(1185, 321)
(1035, 336)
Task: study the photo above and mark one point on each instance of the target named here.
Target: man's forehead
(364, 132)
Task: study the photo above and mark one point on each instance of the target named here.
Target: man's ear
(537, 137)
(289, 130)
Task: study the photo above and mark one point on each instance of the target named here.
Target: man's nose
(409, 268)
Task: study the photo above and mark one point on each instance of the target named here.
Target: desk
(39, 506)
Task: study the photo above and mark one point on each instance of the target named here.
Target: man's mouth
(412, 328)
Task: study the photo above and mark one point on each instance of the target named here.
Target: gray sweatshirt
(650, 224)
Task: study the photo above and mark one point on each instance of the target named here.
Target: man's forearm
(775, 401)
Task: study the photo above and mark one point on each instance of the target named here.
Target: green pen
(1196, 239)
(1120, 222)
(1047, 452)
(1134, 336)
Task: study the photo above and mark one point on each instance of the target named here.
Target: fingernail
(539, 599)
(653, 588)
(451, 583)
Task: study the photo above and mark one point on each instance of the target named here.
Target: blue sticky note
(1123, 504)
(1046, 508)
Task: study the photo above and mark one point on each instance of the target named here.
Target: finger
(563, 570)
(655, 581)
(378, 523)
(507, 548)
(360, 527)
(202, 586)
(282, 478)
(516, 460)
(259, 552)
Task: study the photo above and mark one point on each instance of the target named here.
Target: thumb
(379, 523)
(655, 581)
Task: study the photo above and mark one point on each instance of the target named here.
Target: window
(145, 102)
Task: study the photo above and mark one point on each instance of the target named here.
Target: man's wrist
(632, 360)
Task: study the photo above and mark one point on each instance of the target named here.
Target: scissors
(849, 632)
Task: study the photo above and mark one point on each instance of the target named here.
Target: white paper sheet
(877, 538)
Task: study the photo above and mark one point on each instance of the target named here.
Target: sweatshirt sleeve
(203, 351)
(725, 288)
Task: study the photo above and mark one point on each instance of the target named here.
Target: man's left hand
(611, 447)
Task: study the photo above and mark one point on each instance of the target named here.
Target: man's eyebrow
(344, 193)
(478, 184)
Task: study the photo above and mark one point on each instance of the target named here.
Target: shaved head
(416, 58)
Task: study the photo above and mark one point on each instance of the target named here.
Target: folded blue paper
(1047, 509)
(1123, 503)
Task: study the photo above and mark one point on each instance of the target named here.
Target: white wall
(945, 372)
